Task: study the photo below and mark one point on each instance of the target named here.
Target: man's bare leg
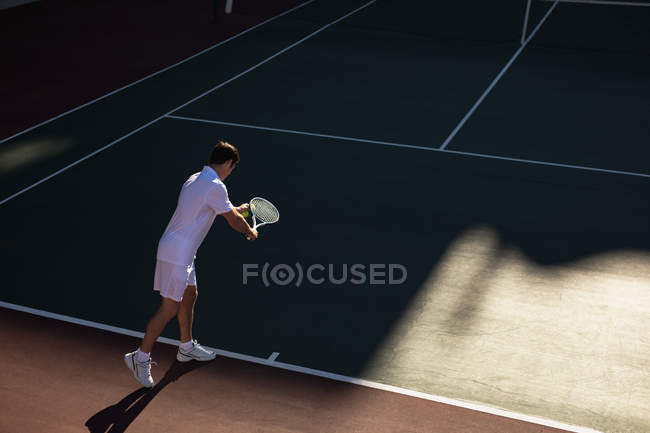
(185, 313)
(167, 311)
(189, 349)
(139, 361)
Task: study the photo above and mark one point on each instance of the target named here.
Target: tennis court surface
(504, 177)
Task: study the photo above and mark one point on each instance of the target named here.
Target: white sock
(186, 346)
(140, 356)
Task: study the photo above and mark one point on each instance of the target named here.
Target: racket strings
(264, 211)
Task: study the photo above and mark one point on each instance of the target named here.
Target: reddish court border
(61, 377)
(60, 54)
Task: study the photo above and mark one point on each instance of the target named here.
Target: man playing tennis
(202, 198)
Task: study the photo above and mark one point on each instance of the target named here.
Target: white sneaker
(141, 370)
(197, 352)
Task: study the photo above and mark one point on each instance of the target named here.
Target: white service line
(603, 2)
(410, 146)
(293, 131)
(156, 73)
(257, 65)
(551, 164)
(310, 371)
(273, 356)
(496, 80)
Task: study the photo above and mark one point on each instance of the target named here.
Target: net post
(523, 32)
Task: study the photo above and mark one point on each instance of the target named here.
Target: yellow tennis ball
(245, 214)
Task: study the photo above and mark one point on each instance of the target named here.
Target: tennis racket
(264, 211)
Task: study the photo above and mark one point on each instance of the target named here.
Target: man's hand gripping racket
(262, 210)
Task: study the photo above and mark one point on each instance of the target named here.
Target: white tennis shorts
(171, 280)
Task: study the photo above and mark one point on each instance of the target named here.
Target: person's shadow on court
(118, 417)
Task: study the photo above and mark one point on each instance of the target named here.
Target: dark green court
(527, 283)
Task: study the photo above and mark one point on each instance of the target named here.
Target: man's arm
(238, 223)
(242, 208)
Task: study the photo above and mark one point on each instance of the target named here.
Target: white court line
(293, 131)
(273, 356)
(101, 149)
(602, 2)
(496, 80)
(155, 73)
(411, 146)
(310, 371)
(257, 65)
(523, 31)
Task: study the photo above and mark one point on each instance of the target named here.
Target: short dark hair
(224, 151)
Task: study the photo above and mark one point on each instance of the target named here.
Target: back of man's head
(223, 152)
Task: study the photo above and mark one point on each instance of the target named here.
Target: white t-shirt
(202, 198)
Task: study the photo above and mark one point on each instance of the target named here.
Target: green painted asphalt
(525, 285)
(73, 136)
(563, 102)
(84, 244)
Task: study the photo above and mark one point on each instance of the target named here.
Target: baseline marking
(273, 356)
(257, 65)
(496, 80)
(155, 73)
(310, 371)
(411, 146)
